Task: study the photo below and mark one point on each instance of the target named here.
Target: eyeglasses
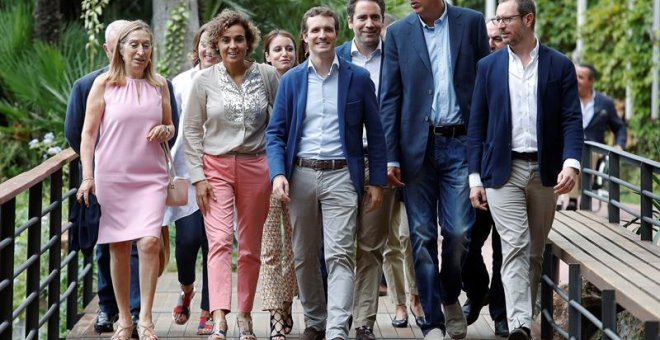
(506, 20)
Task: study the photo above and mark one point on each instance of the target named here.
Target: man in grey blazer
(427, 83)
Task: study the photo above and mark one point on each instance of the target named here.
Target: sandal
(181, 312)
(122, 333)
(245, 328)
(146, 332)
(277, 325)
(288, 317)
(205, 326)
(219, 330)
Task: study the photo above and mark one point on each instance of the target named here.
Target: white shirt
(182, 85)
(372, 63)
(587, 110)
(523, 94)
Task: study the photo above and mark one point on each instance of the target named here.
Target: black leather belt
(321, 164)
(525, 156)
(449, 131)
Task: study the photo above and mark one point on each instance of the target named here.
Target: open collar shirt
(320, 137)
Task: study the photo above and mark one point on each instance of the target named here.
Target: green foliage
(36, 79)
(556, 22)
(477, 5)
(174, 36)
(92, 10)
(619, 43)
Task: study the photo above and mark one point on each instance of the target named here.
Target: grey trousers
(324, 202)
(523, 210)
(372, 231)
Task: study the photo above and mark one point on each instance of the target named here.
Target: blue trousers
(190, 238)
(107, 302)
(438, 195)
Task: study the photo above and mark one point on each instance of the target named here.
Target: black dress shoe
(471, 309)
(312, 334)
(104, 322)
(520, 333)
(419, 320)
(400, 323)
(364, 333)
(501, 328)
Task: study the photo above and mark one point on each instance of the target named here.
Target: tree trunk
(47, 20)
(161, 10)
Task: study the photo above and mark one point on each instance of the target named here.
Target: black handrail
(33, 182)
(648, 168)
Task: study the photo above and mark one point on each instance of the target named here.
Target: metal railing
(648, 168)
(606, 322)
(51, 173)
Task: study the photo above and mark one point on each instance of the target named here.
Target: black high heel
(277, 325)
(288, 317)
(419, 320)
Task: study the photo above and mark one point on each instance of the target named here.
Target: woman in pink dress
(129, 109)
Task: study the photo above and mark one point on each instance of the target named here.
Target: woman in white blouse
(224, 133)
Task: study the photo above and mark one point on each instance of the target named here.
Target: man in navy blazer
(316, 163)
(73, 123)
(598, 113)
(524, 142)
(428, 78)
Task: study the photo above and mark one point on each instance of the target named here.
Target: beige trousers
(397, 257)
(523, 210)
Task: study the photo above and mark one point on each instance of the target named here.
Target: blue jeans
(190, 237)
(107, 302)
(439, 195)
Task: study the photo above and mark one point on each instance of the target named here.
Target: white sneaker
(435, 334)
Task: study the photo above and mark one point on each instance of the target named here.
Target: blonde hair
(117, 71)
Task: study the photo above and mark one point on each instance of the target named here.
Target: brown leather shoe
(312, 334)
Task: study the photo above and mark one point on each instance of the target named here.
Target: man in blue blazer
(428, 78)
(598, 114)
(524, 142)
(73, 123)
(316, 163)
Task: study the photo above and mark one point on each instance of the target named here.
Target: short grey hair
(113, 29)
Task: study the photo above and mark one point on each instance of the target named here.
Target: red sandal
(205, 326)
(181, 312)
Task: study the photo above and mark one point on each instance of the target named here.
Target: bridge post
(651, 331)
(55, 254)
(549, 270)
(608, 315)
(7, 243)
(587, 180)
(574, 294)
(34, 249)
(614, 190)
(646, 208)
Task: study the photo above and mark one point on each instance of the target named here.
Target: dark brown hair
(194, 55)
(268, 39)
(312, 12)
(228, 18)
(350, 7)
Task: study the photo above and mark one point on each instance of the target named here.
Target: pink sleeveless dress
(130, 172)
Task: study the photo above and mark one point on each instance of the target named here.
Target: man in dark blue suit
(524, 142)
(428, 78)
(73, 123)
(598, 114)
(314, 143)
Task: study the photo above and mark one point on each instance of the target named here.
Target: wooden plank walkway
(168, 290)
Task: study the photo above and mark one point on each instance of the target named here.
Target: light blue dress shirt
(445, 110)
(320, 128)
